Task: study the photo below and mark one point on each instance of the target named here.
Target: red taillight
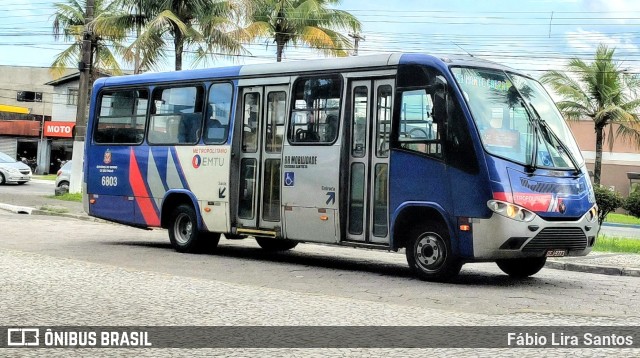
(59, 172)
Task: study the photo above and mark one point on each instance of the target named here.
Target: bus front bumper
(500, 237)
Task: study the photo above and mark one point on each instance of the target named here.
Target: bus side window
(421, 122)
(122, 115)
(177, 115)
(315, 115)
(218, 113)
(250, 122)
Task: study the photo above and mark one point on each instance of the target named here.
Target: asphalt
(617, 264)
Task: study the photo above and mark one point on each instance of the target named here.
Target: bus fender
(173, 198)
(406, 208)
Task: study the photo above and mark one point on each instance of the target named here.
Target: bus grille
(571, 238)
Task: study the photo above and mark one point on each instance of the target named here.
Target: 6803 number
(109, 181)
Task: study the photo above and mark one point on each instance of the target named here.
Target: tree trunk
(179, 46)
(279, 49)
(598, 164)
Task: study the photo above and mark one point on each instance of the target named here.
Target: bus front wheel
(429, 255)
(521, 268)
(184, 234)
(276, 244)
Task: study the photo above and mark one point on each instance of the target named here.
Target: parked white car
(13, 171)
(64, 175)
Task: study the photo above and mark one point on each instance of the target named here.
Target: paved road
(342, 272)
(58, 271)
(620, 231)
(36, 187)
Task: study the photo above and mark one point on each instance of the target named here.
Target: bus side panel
(108, 182)
(469, 196)
(146, 210)
(413, 177)
(206, 173)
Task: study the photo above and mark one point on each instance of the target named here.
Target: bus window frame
(290, 120)
(95, 119)
(229, 124)
(202, 108)
(396, 144)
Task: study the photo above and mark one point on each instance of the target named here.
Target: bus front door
(367, 194)
(261, 123)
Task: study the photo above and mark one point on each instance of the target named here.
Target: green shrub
(607, 200)
(632, 204)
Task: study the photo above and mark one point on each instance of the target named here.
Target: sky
(530, 35)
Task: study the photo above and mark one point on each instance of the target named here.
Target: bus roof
(284, 68)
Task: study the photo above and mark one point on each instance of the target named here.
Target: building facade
(619, 164)
(63, 117)
(26, 106)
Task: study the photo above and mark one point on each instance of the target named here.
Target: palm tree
(68, 23)
(309, 22)
(603, 92)
(203, 27)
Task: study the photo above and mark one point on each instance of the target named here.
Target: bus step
(256, 232)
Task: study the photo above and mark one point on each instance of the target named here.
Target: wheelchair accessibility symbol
(289, 179)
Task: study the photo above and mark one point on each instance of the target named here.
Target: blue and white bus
(455, 160)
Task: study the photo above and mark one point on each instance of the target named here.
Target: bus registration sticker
(556, 253)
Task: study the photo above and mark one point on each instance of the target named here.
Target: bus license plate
(556, 253)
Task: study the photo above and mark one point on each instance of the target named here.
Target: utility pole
(356, 41)
(136, 65)
(85, 69)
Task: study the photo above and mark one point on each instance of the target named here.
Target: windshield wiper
(543, 124)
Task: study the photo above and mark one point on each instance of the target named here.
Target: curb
(631, 226)
(67, 215)
(17, 209)
(602, 270)
(33, 211)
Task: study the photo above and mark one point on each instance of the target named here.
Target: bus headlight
(510, 210)
(592, 214)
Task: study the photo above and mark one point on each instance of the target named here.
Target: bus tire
(521, 268)
(276, 244)
(429, 254)
(184, 234)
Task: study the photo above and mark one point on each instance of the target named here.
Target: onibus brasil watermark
(37, 337)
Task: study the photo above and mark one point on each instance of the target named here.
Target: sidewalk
(607, 263)
(41, 205)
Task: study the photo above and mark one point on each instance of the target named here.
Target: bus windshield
(517, 119)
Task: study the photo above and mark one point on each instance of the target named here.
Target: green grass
(67, 197)
(617, 244)
(45, 177)
(622, 219)
(54, 209)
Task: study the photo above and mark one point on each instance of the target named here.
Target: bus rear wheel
(429, 255)
(276, 244)
(521, 268)
(184, 234)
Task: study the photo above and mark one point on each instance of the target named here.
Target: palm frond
(67, 58)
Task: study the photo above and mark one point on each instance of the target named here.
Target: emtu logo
(196, 161)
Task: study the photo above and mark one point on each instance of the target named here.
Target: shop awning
(20, 127)
(14, 109)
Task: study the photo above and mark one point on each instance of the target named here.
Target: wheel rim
(430, 252)
(183, 229)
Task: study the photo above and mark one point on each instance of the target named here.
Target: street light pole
(85, 69)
